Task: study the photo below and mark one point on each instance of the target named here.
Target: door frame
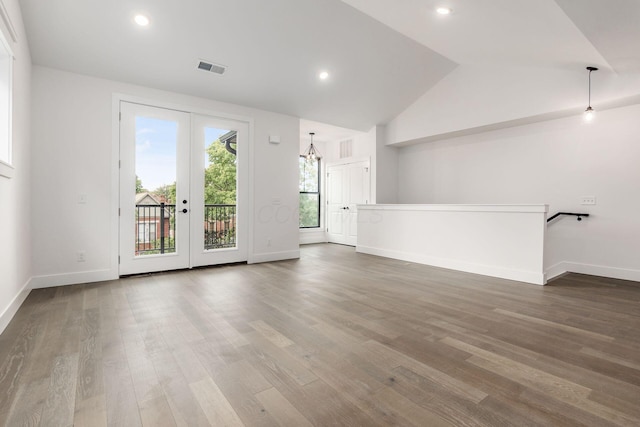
(114, 219)
(342, 162)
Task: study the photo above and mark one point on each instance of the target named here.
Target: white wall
(72, 154)
(385, 170)
(501, 240)
(556, 163)
(473, 97)
(363, 147)
(15, 229)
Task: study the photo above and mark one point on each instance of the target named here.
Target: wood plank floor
(335, 338)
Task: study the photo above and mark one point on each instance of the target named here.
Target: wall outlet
(588, 200)
(268, 242)
(81, 256)
(82, 199)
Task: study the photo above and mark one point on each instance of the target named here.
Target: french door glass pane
(220, 188)
(155, 201)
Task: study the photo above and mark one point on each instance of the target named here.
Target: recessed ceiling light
(141, 20)
(444, 11)
(324, 75)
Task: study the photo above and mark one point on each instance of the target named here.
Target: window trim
(7, 168)
(319, 226)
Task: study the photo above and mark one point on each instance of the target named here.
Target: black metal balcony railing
(219, 226)
(156, 228)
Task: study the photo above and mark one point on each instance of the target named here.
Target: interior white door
(348, 185)
(359, 193)
(219, 190)
(154, 175)
(336, 204)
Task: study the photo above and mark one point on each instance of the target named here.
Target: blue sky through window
(156, 141)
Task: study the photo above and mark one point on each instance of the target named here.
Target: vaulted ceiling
(382, 55)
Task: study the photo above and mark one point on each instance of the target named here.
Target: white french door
(154, 156)
(219, 190)
(183, 189)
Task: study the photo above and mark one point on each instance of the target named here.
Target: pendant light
(312, 153)
(589, 113)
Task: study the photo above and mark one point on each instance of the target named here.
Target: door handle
(184, 210)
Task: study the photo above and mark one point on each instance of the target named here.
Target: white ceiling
(382, 54)
(324, 132)
(516, 32)
(274, 51)
(612, 26)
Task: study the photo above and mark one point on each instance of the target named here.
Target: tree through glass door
(219, 177)
(220, 188)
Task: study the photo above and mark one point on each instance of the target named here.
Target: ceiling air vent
(210, 66)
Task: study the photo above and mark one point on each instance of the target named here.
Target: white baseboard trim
(274, 256)
(485, 270)
(307, 238)
(13, 306)
(38, 282)
(593, 270)
(556, 270)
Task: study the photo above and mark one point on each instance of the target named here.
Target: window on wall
(309, 193)
(6, 61)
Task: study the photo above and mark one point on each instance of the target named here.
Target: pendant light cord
(590, 87)
(591, 69)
